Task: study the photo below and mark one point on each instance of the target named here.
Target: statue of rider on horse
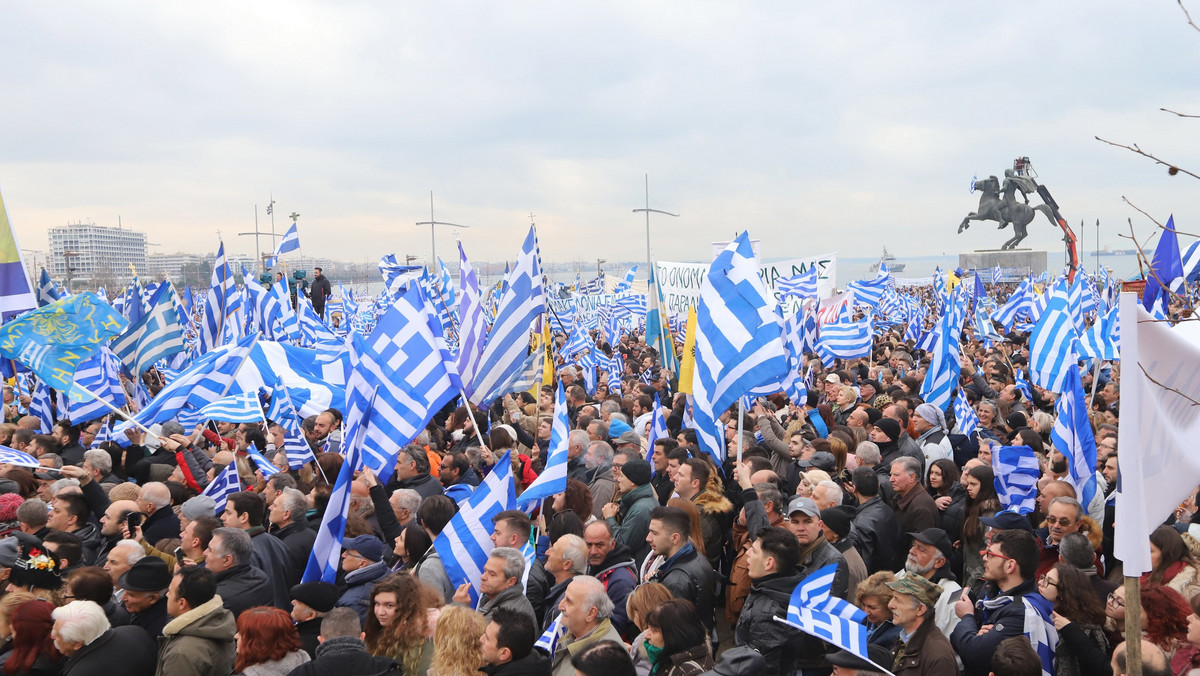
(998, 202)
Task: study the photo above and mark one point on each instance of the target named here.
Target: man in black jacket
(289, 516)
(82, 634)
(311, 602)
(245, 510)
(319, 291)
(804, 522)
(772, 561)
(239, 584)
(876, 531)
(684, 571)
(507, 647)
(412, 471)
(342, 651)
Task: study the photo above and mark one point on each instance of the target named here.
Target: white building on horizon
(95, 252)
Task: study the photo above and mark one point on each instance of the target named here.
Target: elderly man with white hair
(586, 610)
(92, 647)
(154, 500)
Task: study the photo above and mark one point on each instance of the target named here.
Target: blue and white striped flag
(627, 282)
(814, 611)
(803, 285)
(472, 332)
(577, 342)
(100, 376)
(1053, 346)
(235, 408)
(217, 302)
(793, 340)
(283, 412)
(658, 429)
(521, 304)
(1166, 269)
(204, 381)
(1072, 436)
(996, 275)
(397, 275)
(968, 421)
(265, 466)
(549, 640)
(944, 368)
(407, 361)
(157, 335)
(41, 408)
(1017, 473)
(1022, 385)
(11, 456)
(1102, 339)
(553, 479)
(325, 559)
(847, 340)
(1019, 304)
(465, 542)
(290, 241)
(226, 484)
(47, 292)
(739, 340)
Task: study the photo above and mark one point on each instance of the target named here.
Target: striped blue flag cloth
(216, 302)
(521, 304)
(472, 332)
(627, 282)
(1019, 305)
(553, 479)
(847, 340)
(11, 456)
(47, 292)
(577, 342)
(549, 639)
(224, 485)
(290, 241)
(1102, 339)
(739, 340)
(1053, 346)
(100, 376)
(41, 408)
(658, 429)
(1017, 473)
(406, 360)
(793, 340)
(996, 275)
(397, 275)
(465, 542)
(283, 412)
(325, 558)
(265, 466)
(157, 335)
(204, 381)
(814, 611)
(1072, 436)
(235, 408)
(632, 303)
(1022, 384)
(803, 285)
(968, 421)
(944, 368)
(592, 287)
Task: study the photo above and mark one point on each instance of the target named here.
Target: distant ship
(888, 258)
(1114, 252)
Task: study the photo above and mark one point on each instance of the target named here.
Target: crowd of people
(656, 560)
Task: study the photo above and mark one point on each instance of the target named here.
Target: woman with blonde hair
(643, 599)
(456, 642)
(695, 536)
(7, 605)
(873, 596)
(398, 624)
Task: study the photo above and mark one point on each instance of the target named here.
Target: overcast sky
(819, 126)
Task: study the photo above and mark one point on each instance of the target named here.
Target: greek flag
(870, 292)
(1072, 436)
(325, 559)
(814, 611)
(41, 408)
(803, 285)
(1020, 304)
(406, 360)
(100, 376)
(1053, 346)
(237, 408)
(265, 466)
(553, 479)
(283, 412)
(944, 368)
(217, 302)
(1100, 340)
(549, 640)
(632, 303)
(290, 241)
(739, 343)
(615, 369)
(592, 287)
(658, 429)
(578, 341)
(53, 340)
(204, 381)
(848, 340)
(626, 283)
(996, 275)
(397, 275)
(1022, 385)
(11, 456)
(521, 304)
(157, 335)
(472, 332)
(226, 484)
(1165, 269)
(465, 542)
(1017, 473)
(968, 422)
(47, 292)
(287, 316)
(985, 330)
(793, 339)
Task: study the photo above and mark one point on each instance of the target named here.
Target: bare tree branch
(1142, 212)
(1188, 15)
(1168, 110)
(1171, 168)
(1166, 387)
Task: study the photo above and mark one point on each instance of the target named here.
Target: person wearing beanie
(886, 435)
(9, 502)
(630, 519)
(311, 601)
(837, 522)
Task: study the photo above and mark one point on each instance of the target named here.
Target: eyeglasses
(989, 554)
(1045, 580)
(1116, 600)
(355, 555)
(1064, 522)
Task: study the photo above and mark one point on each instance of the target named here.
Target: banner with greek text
(680, 282)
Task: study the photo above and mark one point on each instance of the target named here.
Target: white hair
(833, 492)
(61, 484)
(406, 498)
(80, 622)
(597, 596)
(574, 549)
(100, 460)
(136, 552)
(156, 493)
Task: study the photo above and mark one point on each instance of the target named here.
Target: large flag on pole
(1072, 436)
(100, 376)
(324, 561)
(290, 241)
(553, 479)
(16, 293)
(217, 302)
(157, 335)
(54, 340)
(465, 542)
(472, 331)
(1017, 472)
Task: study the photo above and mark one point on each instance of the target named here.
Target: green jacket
(635, 521)
(199, 642)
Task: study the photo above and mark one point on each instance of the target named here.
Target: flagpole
(236, 371)
(467, 403)
(114, 409)
(741, 414)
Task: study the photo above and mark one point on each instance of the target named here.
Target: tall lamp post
(433, 223)
(652, 288)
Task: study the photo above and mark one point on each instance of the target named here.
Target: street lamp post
(433, 223)
(652, 288)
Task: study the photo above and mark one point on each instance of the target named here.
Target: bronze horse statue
(1004, 208)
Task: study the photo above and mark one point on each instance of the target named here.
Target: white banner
(680, 282)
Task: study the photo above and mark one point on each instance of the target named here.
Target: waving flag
(290, 241)
(968, 421)
(814, 611)
(996, 275)
(1166, 269)
(237, 408)
(325, 559)
(521, 304)
(16, 294)
(1072, 436)
(158, 335)
(47, 292)
(397, 275)
(283, 412)
(848, 340)
(226, 484)
(217, 302)
(1099, 341)
(1019, 304)
(472, 331)
(625, 284)
(549, 639)
(803, 285)
(41, 408)
(100, 377)
(465, 542)
(264, 466)
(1053, 346)
(206, 380)
(54, 340)
(944, 368)
(658, 429)
(739, 344)
(11, 456)
(1017, 473)
(553, 479)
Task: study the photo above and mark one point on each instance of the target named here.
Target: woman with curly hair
(1079, 618)
(1165, 624)
(1171, 563)
(399, 624)
(872, 597)
(33, 650)
(577, 498)
(456, 642)
(268, 643)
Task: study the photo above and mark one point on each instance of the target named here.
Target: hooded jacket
(346, 656)
(716, 518)
(358, 587)
(243, 586)
(634, 525)
(618, 573)
(199, 642)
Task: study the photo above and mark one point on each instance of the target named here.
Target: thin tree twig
(1166, 387)
(1160, 225)
(1188, 15)
(1171, 168)
(1168, 110)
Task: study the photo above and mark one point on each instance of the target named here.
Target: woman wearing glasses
(1078, 617)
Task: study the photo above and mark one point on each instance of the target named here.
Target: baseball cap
(917, 587)
(832, 378)
(1007, 520)
(805, 505)
(936, 537)
(822, 460)
(369, 547)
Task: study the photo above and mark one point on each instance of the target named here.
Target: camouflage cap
(917, 587)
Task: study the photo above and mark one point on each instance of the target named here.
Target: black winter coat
(779, 644)
(129, 647)
(689, 576)
(347, 656)
(877, 535)
(243, 586)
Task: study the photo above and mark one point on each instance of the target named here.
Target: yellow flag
(688, 365)
(548, 366)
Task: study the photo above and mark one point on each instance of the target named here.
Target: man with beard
(929, 557)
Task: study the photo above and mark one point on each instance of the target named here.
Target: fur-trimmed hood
(712, 502)
(207, 620)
